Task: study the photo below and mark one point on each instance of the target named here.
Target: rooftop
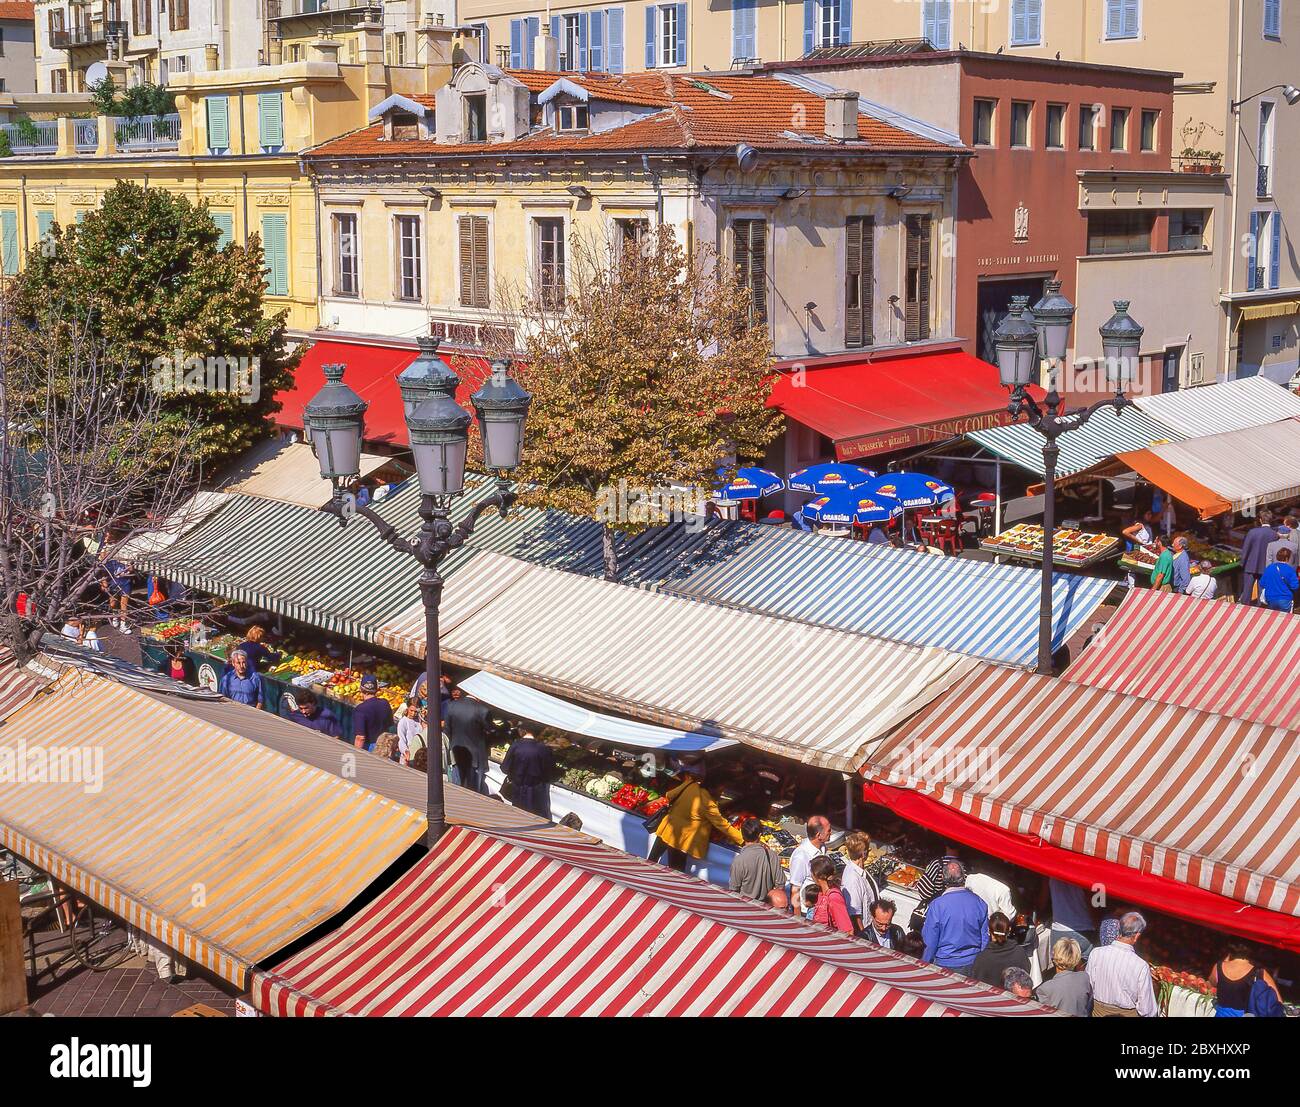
(23, 13)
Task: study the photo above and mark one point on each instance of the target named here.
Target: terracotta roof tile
(25, 13)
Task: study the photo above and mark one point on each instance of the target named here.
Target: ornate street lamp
(439, 435)
(1017, 354)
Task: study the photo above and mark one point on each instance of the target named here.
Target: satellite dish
(95, 72)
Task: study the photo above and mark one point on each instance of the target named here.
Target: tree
(147, 274)
(133, 102)
(80, 450)
(646, 375)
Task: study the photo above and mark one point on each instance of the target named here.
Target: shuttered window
(919, 233)
(225, 221)
(9, 242)
(275, 249)
(347, 278)
(550, 262)
(410, 257)
(1123, 18)
(1272, 18)
(218, 108)
(749, 252)
(858, 278)
(270, 121)
(473, 261)
(1026, 22)
(44, 221)
(936, 23)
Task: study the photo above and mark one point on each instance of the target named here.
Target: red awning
(875, 407)
(372, 373)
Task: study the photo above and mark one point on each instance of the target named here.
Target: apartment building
(17, 47)
(291, 24)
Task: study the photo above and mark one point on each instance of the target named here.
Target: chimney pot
(841, 115)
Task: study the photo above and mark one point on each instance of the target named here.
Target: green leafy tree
(133, 102)
(646, 375)
(180, 311)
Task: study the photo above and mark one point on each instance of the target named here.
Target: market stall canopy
(874, 407)
(588, 930)
(690, 665)
(1236, 471)
(1221, 657)
(528, 703)
(1066, 775)
(17, 685)
(1107, 433)
(288, 472)
(192, 513)
(972, 607)
(179, 805)
(372, 370)
(1226, 406)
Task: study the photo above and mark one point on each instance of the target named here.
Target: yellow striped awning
(1282, 309)
(220, 848)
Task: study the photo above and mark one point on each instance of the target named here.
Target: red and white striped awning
(17, 686)
(513, 923)
(1203, 801)
(1220, 657)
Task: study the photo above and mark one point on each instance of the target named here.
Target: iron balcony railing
(35, 137)
(149, 132)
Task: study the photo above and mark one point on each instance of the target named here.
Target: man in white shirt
(1121, 980)
(1203, 586)
(818, 829)
(993, 892)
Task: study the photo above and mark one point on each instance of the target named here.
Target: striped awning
(511, 924)
(1105, 434)
(194, 511)
(1220, 657)
(1254, 313)
(17, 686)
(218, 847)
(1227, 406)
(288, 472)
(973, 607)
(799, 691)
(1198, 799)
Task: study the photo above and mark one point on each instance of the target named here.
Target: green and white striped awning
(1107, 433)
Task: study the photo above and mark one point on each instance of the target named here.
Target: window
(1187, 229)
(1055, 138)
(982, 131)
(397, 48)
(916, 325)
(830, 28)
(1026, 22)
(405, 126)
(629, 234)
(9, 242)
(59, 80)
(410, 276)
(142, 17)
(859, 275)
(347, 280)
(549, 245)
(1273, 19)
(749, 253)
(665, 35)
(476, 117)
(218, 112)
(1119, 129)
(275, 252)
(270, 122)
(572, 117)
(225, 223)
(570, 43)
(180, 15)
(523, 36)
(936, 23)
(1264, 152)
(1088, 114)
(1020, 116)
(744, 30)
(1123, 18)
(1265, 246)
(473, 233)
(1150, 130)
(1120, 232)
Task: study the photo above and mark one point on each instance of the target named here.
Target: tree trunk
(611, 553)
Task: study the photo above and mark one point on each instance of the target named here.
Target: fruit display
(170, 628)
(1223, 558)
(1076, 547)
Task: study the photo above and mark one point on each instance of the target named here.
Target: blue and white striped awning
(1103, 436)
(972, 607)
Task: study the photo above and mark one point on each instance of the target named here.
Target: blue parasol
(846, 508)
(828, 479)
(910, 489)
(751, 483)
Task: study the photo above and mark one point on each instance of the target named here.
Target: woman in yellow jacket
(692, 814)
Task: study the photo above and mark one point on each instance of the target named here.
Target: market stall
(1222, 557)
(1075, 549)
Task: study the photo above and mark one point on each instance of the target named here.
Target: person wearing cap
(1287, 539)
(1203, 586)
(372, 716)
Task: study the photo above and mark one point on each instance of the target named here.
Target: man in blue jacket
(1279, 582)
(956, 923)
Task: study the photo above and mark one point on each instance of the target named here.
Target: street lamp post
(1021, 339)
(439, 436)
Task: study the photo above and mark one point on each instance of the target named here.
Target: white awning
(287, 472)
(529, 703)
(1226, 406)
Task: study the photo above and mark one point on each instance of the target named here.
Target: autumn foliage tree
(646, 374)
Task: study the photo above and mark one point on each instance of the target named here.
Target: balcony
(39, 137)
(1263, 182)
(148, 132)
(96, 33)
(341, 12)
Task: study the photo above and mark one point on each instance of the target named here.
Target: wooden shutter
(275, 248)
(218, 122)
(614, 37)
(750, 255)
(270, 119)
(858, 280)
(44, 221)
(917, 313)
(225, 222)
(1275, 251)
(472, 232)
(9, 241)
(480, 261)
(466, 250)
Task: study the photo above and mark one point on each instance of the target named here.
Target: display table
(1224, 559)
(1186, 1003)
(1071, 549)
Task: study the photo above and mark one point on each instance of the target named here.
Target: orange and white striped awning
(1221, 657)
(1200, 799)
(512, 923)
(220, 848)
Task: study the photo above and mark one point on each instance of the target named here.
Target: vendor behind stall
(372, 716)
(260, 657)
(240, 683)
(684, 831)
(466, 722)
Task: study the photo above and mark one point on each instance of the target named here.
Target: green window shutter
(225, 221)
(44, 221)
(270, 119)
(218, 122)
(275, 249)
(9, 241)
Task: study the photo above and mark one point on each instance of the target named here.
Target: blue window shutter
(555, 34)
(614, 36)
(1273, 18)
(1130, 18)
(44, 221)
(225, 222)
(532, 27)
(1253, 247)
(275, 250)
(9, 241)
(218, 108)
(846, 21)
(809, 25)
(1275, 254)
(596, 47)
(581, 65)
(270, 119)
(681, 34)
(1114, 18)
(649, 36)
(743, 41)
(943, 23)
(516, 44)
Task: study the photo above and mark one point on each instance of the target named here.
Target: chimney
(546, 51)
(324, 50)
(841, 115)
